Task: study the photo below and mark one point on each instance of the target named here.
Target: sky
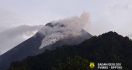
(105, 15)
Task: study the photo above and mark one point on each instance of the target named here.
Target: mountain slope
(106, 48)
(28, 47)
(52, 35)
(14, 36)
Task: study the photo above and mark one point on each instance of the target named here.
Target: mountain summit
(54, 34)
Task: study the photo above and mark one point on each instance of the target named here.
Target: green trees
(19, 66)
(75, 63)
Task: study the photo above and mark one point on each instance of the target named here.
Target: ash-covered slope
(106, 48)
(54, 34)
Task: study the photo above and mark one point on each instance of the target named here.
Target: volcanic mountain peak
(54, 34)
(64, 29)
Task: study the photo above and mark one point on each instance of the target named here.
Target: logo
(92, 65)
(105, 66)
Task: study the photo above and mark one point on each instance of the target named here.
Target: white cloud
(14, 36)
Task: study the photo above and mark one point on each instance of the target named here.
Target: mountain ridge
(31, 46)
(57, 33)
(106, 48)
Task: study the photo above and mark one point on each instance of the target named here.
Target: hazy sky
(105, 15)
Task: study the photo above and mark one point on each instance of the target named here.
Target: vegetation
(106, 48)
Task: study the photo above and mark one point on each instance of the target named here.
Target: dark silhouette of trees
(106, 48)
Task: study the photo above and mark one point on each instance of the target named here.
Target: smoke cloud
(64, 28)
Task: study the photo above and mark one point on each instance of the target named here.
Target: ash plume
(63, 29)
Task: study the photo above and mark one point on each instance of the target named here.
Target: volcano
(52, 35)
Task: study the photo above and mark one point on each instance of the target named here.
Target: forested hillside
(106, 48)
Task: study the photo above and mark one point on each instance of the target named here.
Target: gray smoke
(63, 29)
